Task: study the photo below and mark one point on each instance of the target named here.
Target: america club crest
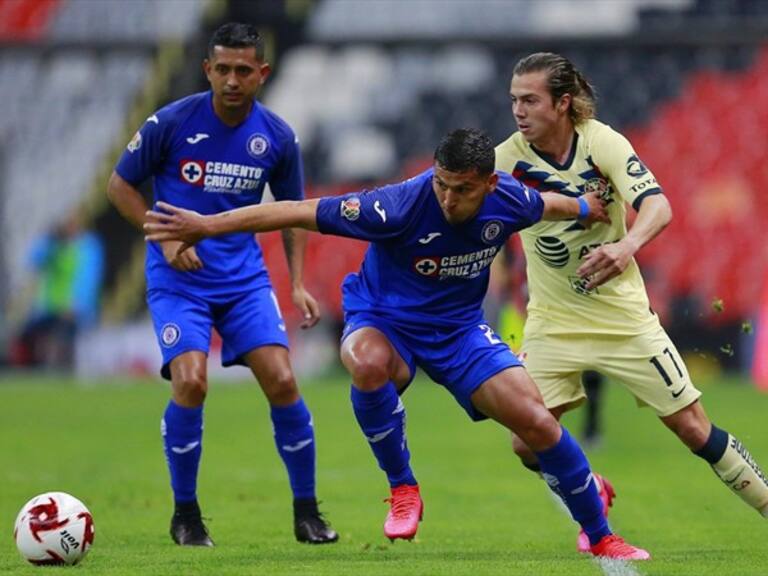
(491, 231)
(350, 208)
(257, 145)
(170, 334)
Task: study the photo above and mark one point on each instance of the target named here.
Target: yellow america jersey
(601, 160)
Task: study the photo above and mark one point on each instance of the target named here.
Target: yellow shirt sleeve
(618, 162)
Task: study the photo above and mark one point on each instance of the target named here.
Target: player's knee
(541, 430)
(281, 389)
(190, 389)
(369, 371)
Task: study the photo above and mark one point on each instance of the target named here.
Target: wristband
(583, 208)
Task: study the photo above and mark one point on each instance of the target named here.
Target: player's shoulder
(273, 122)
(176, 111)
(596, 134)
(510, 151)
(515, 143)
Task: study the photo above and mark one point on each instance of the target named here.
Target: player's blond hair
(562, 78)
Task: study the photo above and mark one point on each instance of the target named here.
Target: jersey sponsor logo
(135, 143)
(192, 171)
(350, 208)
(198, 137)
(465, 266)
(257, 145)
(220, 177)
(635, 167)
(647, 184)
(491, 231)
(380, 211)
(170, 334)
(429, 237)
(552, 251)
(427, 266)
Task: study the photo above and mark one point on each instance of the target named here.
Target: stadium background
(370, 86)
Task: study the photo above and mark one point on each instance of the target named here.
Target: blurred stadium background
(370, 86)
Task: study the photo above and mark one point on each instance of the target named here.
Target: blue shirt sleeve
(521, 204)
(373, 215)
(146, 150)
(287, 181)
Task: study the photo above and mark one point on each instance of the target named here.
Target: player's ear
(265, 70)
(563, 103)
(207, 68)
(493, 180)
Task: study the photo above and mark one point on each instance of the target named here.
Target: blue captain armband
(583, 208)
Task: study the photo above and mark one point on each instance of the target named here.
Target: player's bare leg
(182, 430)
(294, 438)
(727, 456)
(512, 399)
(378, 372)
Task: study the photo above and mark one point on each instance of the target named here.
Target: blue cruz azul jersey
(200, 163)
(419, 268)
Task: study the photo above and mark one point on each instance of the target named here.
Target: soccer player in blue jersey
(212, 152)
(417, 302)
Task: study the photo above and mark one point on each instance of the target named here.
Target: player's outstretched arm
(168, 222)
(588, 208)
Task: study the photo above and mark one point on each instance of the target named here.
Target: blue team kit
(423, 280)
(198, 162)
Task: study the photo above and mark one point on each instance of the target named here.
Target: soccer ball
(54, 528)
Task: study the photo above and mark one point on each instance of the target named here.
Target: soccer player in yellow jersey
(588, 306)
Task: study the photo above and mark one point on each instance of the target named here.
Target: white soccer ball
(54, 528)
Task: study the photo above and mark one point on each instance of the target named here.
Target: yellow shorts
(648, 365)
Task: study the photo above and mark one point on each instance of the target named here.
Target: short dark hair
(237, 35)
(466, 149)
(562, 78)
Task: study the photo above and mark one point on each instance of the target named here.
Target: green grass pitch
(484, 514)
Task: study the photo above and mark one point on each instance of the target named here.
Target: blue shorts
(245, 321)
(460, 359)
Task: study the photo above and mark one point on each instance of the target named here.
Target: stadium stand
(370, 96)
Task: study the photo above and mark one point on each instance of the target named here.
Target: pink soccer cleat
(405, 512)
(607, 494)
(613, 546)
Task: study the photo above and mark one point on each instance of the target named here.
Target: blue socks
(182, 430)
(566, 471)
(381, 416)
(295, 440)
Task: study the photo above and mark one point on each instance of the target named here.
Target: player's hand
(304, 301)
(181, 256)
(606, 262)
(597, 210)
(170, 222)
